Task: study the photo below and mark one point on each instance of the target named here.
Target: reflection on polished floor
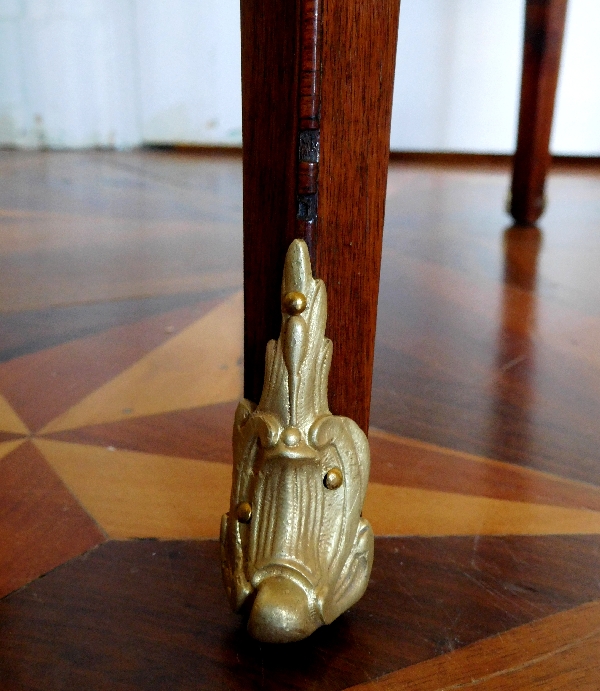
(120, 366)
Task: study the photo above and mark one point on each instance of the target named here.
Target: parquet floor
(120, 367)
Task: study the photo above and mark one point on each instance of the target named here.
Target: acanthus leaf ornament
(295, 550)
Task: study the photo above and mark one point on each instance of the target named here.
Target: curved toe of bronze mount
(281, 612)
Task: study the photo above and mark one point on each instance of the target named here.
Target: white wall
(67, 73)
(457, 75)
(189, 56)
(77, 73)
(577, 115)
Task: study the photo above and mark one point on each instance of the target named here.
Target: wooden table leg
(544, 28)
(317, 79)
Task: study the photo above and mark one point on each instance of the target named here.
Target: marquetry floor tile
(548, 426)
(7, 446)
(84, 258)
(556, 652)
(527, 351)
(130, 613)
(118, 383)
(411, 511)
(102, 289)
(10, 436)
(9, 420)
(42, 385)
(23, 333)
(203, 433)
(41, 524)
(398, 460)
(132, 494)
(404, 464)
(199, 366)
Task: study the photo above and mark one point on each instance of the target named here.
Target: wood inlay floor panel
(151, 614)
(45, 384)
(10, 422)
(198, 366)
(85, 227)
(120, 367)
(9, 437)
(557, 652)
(410, 463)
(41, 524)
(486, 334)
(203, 433)
(28, 332)
(135, 495)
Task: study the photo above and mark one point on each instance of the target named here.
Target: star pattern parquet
(115, 426)
(149, 494)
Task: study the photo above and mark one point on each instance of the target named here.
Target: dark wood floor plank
(120, 271)
(140, 185)
(490, 329)
(9, 436)
(487, 344)
(557, 652)
(41, 525)
(412, 401)
(151, 614)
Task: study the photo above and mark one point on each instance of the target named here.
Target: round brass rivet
(291, 436)
(244, 512)
(294, 303)
(333, 478)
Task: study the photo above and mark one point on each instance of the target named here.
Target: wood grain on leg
(544, 28)
(316, 142)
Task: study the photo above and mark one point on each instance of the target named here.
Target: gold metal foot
(295, 551)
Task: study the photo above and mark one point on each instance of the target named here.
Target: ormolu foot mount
(296, 552)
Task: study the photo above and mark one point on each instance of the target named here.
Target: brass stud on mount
(291, 437)
(333, 478)
(294, 303)
(244, 512)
